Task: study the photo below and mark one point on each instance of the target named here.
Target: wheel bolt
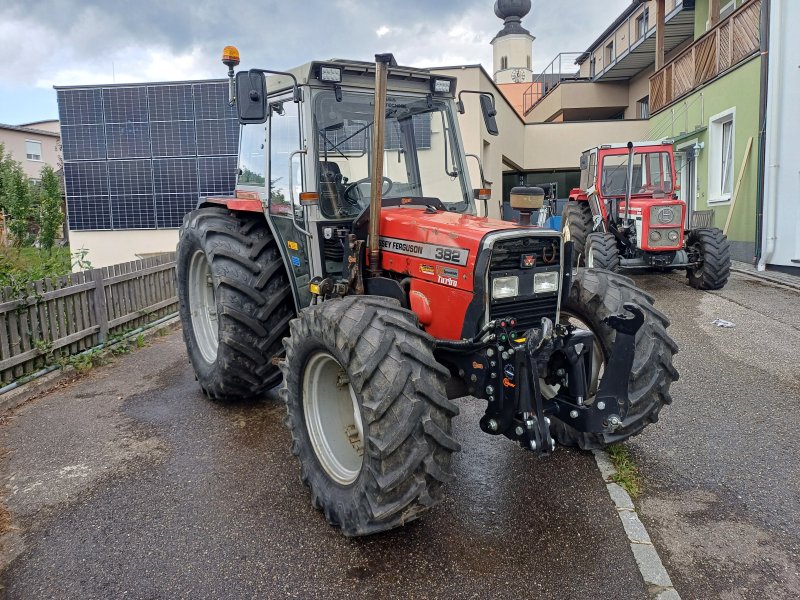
(601, 405)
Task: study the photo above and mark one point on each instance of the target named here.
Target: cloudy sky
(68, 42)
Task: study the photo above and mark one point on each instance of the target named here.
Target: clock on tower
(518, 75)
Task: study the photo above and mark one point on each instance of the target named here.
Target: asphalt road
(128, 483)
(721, 470)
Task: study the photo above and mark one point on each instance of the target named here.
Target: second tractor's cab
(627, 215)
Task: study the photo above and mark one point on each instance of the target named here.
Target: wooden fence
(66, 315)
(729, 43)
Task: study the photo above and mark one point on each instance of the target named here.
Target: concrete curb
(777, 278)
(37, 387)
(649, 562)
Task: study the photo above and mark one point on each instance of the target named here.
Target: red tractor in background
(627, 215)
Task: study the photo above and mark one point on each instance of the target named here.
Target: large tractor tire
(235, 302)
(577, 220)
(713, 247)
(602, 252)
(594, 296)
(367, 410)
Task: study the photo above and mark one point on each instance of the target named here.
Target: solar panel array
(141, 156)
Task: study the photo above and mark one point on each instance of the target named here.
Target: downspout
(762, 128)
(772, 132)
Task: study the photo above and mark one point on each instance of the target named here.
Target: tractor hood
(437, 246)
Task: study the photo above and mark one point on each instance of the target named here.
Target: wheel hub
(333, 418)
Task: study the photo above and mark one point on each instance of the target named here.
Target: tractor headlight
(544, 283)
(673, 236)
(505, 287)
(655, 236)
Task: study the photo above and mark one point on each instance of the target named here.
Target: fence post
(100, 311)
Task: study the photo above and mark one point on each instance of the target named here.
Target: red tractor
(350, 269)
(627, 215)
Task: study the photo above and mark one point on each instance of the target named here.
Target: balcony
(550, 77)
(730, 43)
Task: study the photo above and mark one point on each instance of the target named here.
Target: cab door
(285, 178)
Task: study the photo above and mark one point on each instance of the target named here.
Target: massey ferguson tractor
(626, 215)
(350, 269)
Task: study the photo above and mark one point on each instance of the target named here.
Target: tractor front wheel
(602, 252)
(712, 247)
(594, 296)
(368, 413)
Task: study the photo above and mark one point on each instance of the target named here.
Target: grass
(20, 265)
(627, 474)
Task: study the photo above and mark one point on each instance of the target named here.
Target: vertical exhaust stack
(629, 189)
(382, 64)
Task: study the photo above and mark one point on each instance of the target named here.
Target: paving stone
(650, 565)
(620, 497)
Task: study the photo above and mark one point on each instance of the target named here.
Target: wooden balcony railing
(732, 41)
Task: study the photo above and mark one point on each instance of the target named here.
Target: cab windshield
(421, 156)
(652, 174)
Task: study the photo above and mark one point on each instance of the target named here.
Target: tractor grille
(527, 311)
(507, 254)
(527, 308)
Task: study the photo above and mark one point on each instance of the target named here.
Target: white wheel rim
(590, 259)
(203, 307)
(333, 418)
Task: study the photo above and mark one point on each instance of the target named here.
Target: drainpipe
(768, 203)
(762, 130)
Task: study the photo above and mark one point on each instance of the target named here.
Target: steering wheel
(354, 185)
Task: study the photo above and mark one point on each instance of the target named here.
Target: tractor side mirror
(251, 97)
(489, 112)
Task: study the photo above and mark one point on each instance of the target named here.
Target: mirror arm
(297, 94)
(460, 102)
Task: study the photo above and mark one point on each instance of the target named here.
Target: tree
(19, 206)
(7, 168)
(50, 215)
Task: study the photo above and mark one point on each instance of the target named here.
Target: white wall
(782, 177)
(113, 247)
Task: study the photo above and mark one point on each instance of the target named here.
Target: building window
(722, 132)
(727, 10)
(644, 107)
(593, 67)
(33, 150)
(643, 24)
(610, 54)
(504, 62)
(529, 63)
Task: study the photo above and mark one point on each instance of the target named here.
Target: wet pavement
(129, 483)
(721, 470)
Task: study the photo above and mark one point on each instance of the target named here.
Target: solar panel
(141, 156)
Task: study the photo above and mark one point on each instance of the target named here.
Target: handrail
(721, 48)
(540, 86)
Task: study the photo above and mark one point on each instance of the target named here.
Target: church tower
(513, 45)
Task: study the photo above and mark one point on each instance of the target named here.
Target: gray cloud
(78, 36)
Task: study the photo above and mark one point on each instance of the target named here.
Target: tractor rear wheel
(368, 413)
(235, 302)
(577, 220)
(594, 296)
(713, 248)
(601, 251)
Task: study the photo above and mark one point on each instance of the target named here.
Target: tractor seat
(331, 188)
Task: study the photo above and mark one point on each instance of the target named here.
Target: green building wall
(738, 89)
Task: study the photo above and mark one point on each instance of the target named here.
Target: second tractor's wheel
(577, 220)
(601, 251)
(594, 296)
(711, 245)
(368, 413)
(235, 302)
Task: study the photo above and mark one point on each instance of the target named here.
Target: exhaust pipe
(630, 184)
(382, 64)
